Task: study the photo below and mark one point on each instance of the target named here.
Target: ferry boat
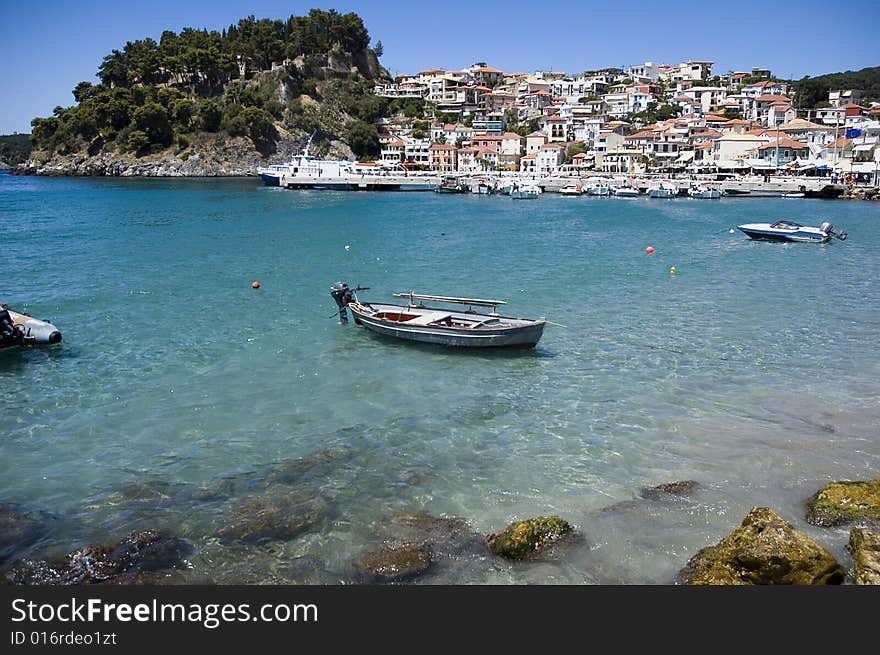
(306, 168)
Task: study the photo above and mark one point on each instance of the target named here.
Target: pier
(746, 186)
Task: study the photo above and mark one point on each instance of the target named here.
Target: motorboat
(17, 329)
(415, 321)
(451, 184)
(571, 190)
(663, 189)
(791, 231)
(625, 191)
(525, 192)
(703, 191)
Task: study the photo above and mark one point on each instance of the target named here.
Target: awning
(685, 157)
(863, 147)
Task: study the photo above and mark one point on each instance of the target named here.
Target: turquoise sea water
(753, 370)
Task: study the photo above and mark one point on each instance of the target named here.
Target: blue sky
(50, 46)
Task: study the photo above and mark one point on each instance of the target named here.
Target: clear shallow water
(753, 370)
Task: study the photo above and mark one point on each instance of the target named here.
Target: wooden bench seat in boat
(427, 319)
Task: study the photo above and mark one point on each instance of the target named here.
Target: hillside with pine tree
(203, 102)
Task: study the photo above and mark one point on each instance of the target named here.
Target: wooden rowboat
(415, 321)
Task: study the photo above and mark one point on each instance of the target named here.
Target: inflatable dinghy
(17, 329)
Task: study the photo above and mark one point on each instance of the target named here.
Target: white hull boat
(626, 192)
(791, 231)
(17, 329)
(663, 189)
(414, 321)
(704, 192)
(527, 192)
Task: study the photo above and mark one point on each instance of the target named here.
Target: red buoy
(255, 284)
(649, 249)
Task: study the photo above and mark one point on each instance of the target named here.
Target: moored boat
(571, 190)
(525, 192)
(662, 189)
(451, 184)
(625, 191)
(703, 191)
(791, 231)
(17, 329)
(415, 321)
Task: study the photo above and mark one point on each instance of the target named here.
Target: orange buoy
(649, 249)
(255, 284)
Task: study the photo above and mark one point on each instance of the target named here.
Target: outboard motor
(10, 333)
(343, 295)
(828, 228)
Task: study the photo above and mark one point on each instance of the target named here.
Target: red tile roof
(785, 143)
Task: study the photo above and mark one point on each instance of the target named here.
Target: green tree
(572, 150)
(138, 141)
(362, 138)
(210, 115)
(152, 119)
(260, 126)
(379, 50)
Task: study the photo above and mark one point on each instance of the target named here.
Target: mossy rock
(865, 548)
(526, 539)
(845, 502)
(764, 549)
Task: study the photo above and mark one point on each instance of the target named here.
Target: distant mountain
(219, 103)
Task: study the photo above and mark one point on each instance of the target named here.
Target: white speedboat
(525, 192)
(414, 321)
(625, 192)
(662, 189)
(791, 231)
(17, 329)
(703, 191)
(571, 190)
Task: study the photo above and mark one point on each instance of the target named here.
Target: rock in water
(526, 539)
(260, 519)
(394, 563)
(764, 549)
(145, 550)
(19, 528)
(844, 502)
(865, 548)
(681, 488)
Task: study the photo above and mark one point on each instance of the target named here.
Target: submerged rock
(844, 502)
(450, 537)
(681, 488)
(146, 550)
(529, 538)
(865, 548)
(764, 549)
(317, 464)
(19, 528)
(395, 563)
(260, 519)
